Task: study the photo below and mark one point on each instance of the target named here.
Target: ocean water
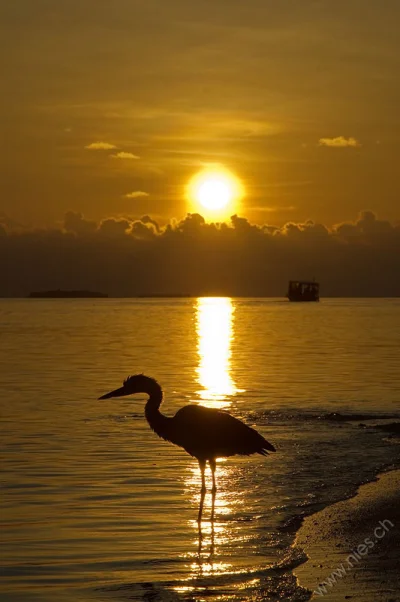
(96, 507)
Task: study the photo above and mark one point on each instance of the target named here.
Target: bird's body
(204, 433)
(208, 434)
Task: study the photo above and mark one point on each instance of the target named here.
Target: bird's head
(139, 383)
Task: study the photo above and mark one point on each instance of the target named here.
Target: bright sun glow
(216, 190)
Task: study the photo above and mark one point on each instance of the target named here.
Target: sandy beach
(353, 546)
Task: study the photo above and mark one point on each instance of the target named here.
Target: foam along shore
(353, 546)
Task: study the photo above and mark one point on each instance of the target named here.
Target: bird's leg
(213, 466)
(202, 464)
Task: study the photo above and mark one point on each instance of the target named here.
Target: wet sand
(354, 546)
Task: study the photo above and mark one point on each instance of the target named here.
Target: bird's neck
(157, 421)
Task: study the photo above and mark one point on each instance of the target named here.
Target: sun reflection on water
(215, 318)
(216, 530)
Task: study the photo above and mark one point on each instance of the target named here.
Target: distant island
(59, 294)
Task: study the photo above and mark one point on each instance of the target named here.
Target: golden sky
(109, 108)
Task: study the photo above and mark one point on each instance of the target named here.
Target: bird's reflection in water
(212, 530)
(212, 527)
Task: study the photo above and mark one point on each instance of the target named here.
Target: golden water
(95, 506)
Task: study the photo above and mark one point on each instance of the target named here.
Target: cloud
(367, 228)
(100, 146)
(136, 194)
(114, 227)
(8, 223)
(126, 257)
(77, 224)
(124, 155)
(339, 142)
(146, 219)
(144, 230)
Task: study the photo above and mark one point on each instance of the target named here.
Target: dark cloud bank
(123, 257)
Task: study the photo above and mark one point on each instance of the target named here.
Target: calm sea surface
(96, 507)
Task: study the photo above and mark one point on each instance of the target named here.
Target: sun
(216, 190)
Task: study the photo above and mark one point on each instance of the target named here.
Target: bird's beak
(117, 393)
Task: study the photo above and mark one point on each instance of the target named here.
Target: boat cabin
(300, 290)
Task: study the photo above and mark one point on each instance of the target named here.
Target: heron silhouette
(204, 433)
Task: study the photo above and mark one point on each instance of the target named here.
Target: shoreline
(352, 546)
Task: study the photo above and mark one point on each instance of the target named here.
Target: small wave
(392, 428)
(270, 583)
(338, 417)
(272, 416)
